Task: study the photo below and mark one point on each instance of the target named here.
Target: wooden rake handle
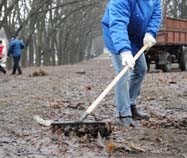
(111, 85)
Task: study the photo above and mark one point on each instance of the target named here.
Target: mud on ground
(64, 92)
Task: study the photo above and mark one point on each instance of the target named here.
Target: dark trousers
(2, 69)
(16, 66)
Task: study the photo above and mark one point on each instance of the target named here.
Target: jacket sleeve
(10, 51)
(119, 14)
(154, 22)
(22, 45)
(11, 47)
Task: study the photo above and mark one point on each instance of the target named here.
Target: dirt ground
(64, 92)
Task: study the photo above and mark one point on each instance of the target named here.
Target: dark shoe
(137, 114)
(19, 72)
(125, 121)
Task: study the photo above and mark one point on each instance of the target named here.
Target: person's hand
(127, 59)
(149, 40)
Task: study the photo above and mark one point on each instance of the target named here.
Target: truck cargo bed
(173, 32)
(171, 45)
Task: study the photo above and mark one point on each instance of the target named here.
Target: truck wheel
(148, 62)
(167, 66)
(157, 66)
(183, 60)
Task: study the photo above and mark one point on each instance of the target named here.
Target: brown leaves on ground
(67, 91)
(158, 121)
(112, 148)
(38, 73)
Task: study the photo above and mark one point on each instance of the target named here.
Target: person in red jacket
(1, 49)
(1, 56)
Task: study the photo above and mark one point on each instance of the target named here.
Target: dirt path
(66, 91)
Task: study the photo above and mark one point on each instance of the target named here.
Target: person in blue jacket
(127, 26)
(15, 50)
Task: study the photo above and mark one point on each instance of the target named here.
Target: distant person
(15, 50)
(2, 65)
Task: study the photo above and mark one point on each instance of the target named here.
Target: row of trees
(176, 9)
(60, 31)
(55, 31)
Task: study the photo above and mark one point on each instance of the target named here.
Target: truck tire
(148, 62)
(183, 60)
(157, 66)
(167, 66)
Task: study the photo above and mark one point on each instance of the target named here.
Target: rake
(82, 127)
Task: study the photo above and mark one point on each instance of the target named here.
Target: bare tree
(55, 32)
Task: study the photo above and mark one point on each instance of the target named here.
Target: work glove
(127, 59)
(149, 40)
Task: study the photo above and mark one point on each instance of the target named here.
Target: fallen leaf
(110, 146)
(136, 147)
(100, 141)
(41, 121)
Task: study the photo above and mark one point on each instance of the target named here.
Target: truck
(171, 45)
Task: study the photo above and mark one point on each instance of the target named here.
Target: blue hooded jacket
(15, 47)
(125, 23)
